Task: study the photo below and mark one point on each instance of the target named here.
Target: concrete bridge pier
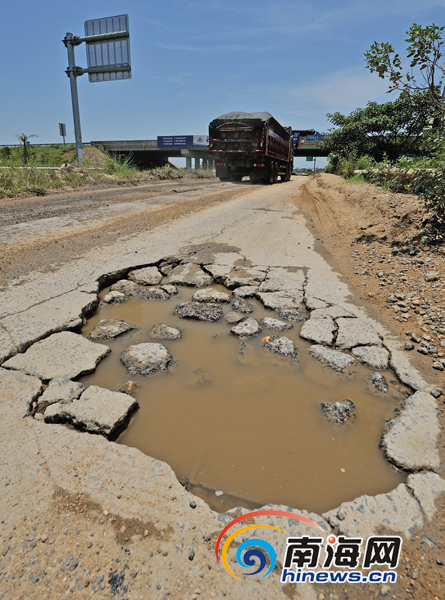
(188, 162)
(204, 163)
(197, 163)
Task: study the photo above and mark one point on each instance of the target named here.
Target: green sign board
(309, 158)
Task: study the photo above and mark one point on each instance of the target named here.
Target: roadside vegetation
(400, 145)
(98, 169)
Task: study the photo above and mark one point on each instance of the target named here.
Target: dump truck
(252, 144)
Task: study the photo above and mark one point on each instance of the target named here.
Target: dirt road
(42, 233)
(85, 517)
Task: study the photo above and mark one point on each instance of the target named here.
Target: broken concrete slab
(282, 279)
(272, 284)
(217, 271)
(245, 291)
(427, 488)
(210, 295)
(91, 287)
(275, 324)
(411, 439)
(233, 317)
(320, 331)
(132, 289)
(314, 303)
(146, 276)
(378, 382)
(167, 265)
(189, 274)
(19, 390)
(340, 412)
(240, 276)
(62, 391)
(281, 345)
(291, 314)
(355, 332)
(202, 311)
(242, 306)
(279, 300)
(114, 298)
(127, 387)
(397, 510)
(335, 360)
(170, 289)
(146, 358)
(247, 328)
(64, 355)
(107, 329)
(373, 356)
(97, 410)
(334, 312)
(7, 347)
(433, 390)
(54, 315)
(405, 372)
(165, 332)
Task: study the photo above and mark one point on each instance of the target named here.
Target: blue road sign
(183, 141)
(315, 138)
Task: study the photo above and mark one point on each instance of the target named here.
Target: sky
(193, 61)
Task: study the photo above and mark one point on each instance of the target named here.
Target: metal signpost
(62, 131)
(108, 56)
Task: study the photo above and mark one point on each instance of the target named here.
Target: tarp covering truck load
(252, 144)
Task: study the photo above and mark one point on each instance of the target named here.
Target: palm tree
(24, 140)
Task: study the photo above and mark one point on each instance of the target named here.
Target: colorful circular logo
(252, 552)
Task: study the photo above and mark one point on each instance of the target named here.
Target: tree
(426, 67)
(25, 141)
(392, 129)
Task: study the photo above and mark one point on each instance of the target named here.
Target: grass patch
(38, 156)
(356, 179)
(15, 181)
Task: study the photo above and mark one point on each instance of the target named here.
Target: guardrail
(56, 144)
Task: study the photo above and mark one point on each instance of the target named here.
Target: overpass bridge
(156, 153)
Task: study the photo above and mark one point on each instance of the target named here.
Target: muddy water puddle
(249, 424)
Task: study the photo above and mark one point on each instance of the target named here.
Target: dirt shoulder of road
(369, 237)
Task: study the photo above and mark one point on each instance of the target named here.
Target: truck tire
(235, 177)
(275, 176)
(271, 173)
(286, 176)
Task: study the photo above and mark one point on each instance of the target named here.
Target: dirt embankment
(369, 236)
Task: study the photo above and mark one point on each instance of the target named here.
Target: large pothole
(239, 423)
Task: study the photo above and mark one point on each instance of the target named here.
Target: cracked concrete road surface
(85, 517)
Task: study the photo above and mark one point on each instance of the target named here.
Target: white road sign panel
(113, 54)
